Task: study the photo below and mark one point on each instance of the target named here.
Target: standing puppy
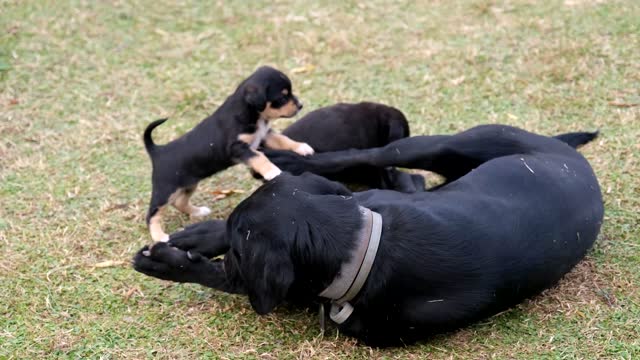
(230, 135)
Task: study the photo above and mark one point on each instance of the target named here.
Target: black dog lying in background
(518, 211)
(357, 126)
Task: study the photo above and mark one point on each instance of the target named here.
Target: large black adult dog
(360, 125)
(519, 210)
(228, 136)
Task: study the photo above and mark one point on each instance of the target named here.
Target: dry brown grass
(80, 80)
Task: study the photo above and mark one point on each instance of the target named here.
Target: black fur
(213, 145)
(518, 211)
(357, 126)
(577, 139)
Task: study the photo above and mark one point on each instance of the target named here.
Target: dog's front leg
(256, 160)
(207, 238)
(170, 263)
(277, 141)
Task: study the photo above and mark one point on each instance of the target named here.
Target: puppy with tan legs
(228, 136)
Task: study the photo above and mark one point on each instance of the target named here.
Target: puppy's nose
(298, 103)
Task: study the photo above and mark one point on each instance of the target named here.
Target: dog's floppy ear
(255, 96)
(268, 276)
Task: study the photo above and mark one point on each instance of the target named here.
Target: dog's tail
(148, 140)
(576, 139)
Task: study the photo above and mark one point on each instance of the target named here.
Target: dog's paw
(272, 173)
(168, 263)
(159, 236)
(163, 238)
(304, 149)
(207, 238)
(147, 251)
(201, 211)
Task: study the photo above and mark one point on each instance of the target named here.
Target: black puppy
(230, 135)
(357, 126)
(519, 210)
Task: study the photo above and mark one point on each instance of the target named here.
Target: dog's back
(350, 126)
(362, 125)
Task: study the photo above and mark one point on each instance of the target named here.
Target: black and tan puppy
(230, 135)
(361, 125)
(517, 212)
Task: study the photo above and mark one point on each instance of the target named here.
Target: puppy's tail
(576, 139)
(148, 140)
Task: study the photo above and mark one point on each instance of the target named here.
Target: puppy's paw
(272, 173)
(201, 211)
(158, 235)
(304, 149)
(162, 238)
(147, 251)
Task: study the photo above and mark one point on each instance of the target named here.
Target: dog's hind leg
(181, 201)
(449, 155)
(154, 221)
(161, 197)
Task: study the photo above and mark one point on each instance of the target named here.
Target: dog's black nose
(297, 102)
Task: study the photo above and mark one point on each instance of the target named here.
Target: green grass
(81, 79)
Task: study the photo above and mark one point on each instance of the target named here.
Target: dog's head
(268, 92)
(292, 231)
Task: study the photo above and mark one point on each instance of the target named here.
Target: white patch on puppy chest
(261, 132)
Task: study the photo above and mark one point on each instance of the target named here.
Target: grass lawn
(79, 81)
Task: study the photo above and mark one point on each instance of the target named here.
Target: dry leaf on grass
(117, 207)
(227, 191)
(622, 104)
(221, 194)
(457, 81)
(303, 69)
(108, 263)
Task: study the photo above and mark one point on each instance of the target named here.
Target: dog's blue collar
(353, 274)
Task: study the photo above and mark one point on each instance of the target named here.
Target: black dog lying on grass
(517, 212)
(362, 125)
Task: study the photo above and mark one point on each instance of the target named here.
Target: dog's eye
(280, 100)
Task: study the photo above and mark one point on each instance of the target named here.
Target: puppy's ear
(255, 96)
(268, 276)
